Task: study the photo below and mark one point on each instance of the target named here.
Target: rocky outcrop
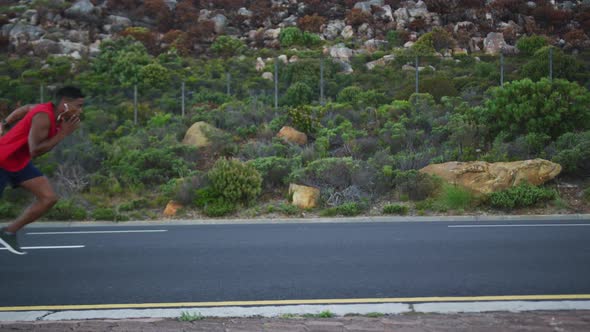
(172, 209)
(196, 135)
(292, 135)
(484, 178)
(304, 197)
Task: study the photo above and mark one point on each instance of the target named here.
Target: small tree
(545, 107)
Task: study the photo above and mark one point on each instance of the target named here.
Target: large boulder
(292, 135)
(80, 9)
(196, 135)
(172, 209)
(333, 29)
(484, 178)
(303, 196)
(494, 43)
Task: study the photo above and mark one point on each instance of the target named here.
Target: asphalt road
(197, 263)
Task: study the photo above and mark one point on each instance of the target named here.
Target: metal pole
(228, 75)
(322, 101)
(182, 103)
(276, 82)
(417, 75)
(135, 104)
(551, 63)
(501, 69)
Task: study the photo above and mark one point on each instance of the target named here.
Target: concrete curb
(299, 310)
(364, 219)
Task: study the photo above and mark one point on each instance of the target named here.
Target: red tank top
(14, 145)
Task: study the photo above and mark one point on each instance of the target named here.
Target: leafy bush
(306, 118)
(347, 209)
(235, 181)
(66, 209)
(416, 185)
(523, 195)
(564, 66)
(456, 198)
(292, 36)
(573, 153)
(298, 94)
(395, 209)
(336, 174)
(274, 170)
(548, 107)
(7, 210)
(106, 214)
(528, 45)
(212, 203)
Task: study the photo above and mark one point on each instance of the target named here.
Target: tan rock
(484, 178)
(292, 135)
(303, 196)
(172, 208)
(195, 135)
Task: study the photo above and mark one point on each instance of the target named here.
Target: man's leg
(45, 200)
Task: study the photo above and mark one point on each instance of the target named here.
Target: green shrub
(455, 198)
(523, 195)
(416, 185)
(564, 66)
(134, 205)
(235, 181)
(306, 118)
(212, 203)
(274, 170)
(66, 209)
(349, 209)
(298, 94)
(547, 107)
(106, 214)
(349, 95)
(573, 153)
(8, 210)
(395, 209)
(528, 45)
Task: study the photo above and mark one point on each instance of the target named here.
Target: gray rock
(81, 8)
(345, 67)
(365, 6)
(272, 34)
(418, 9)
(385, 15)
(244, 12)
(333, 29)
(347, 32)
(366, 31)
(118, 20)
(289, 21)
(171, 4)
(268, 76)
(69, 47)
(373, 45)
(45, 47)
(493, 43)
(340, 52)
(380, 62)
(220, 22)
(78, 36)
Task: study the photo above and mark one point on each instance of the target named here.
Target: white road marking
(518, 225)
(100, 232)
(50, 247)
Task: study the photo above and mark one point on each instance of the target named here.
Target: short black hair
(69, 92)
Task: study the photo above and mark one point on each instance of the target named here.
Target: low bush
(66, 209)
(523, 195)
(395, 209)
(235, 181)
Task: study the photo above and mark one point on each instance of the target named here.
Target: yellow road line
(299, 302)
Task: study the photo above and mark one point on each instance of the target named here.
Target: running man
(38, 130)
